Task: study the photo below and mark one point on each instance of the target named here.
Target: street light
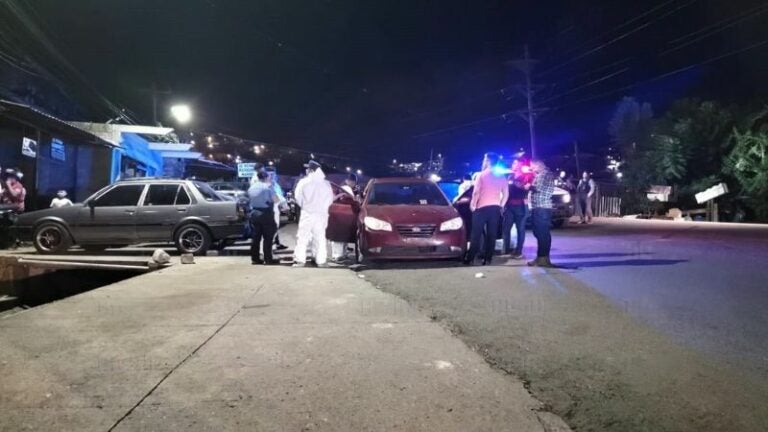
(182, 113)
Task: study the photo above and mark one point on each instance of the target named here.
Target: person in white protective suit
(314, 196)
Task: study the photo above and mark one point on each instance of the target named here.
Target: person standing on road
(314, 196)
(279, 204)
(339, 249)
(584, 191)
(262, 200)
(14, 192)
(541, 214)
(488, 198)
(464, 186)
(516, 211)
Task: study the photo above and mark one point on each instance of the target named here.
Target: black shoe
(467, 262)
(257, 262)
(281, 247)
(487, 261)
(272, 262)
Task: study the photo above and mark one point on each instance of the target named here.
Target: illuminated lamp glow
(182, 113)
(500, 170)
(435, 178)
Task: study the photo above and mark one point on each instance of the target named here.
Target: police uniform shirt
(260, 195)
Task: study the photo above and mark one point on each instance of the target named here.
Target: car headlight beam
(452, 224)
(374, 224)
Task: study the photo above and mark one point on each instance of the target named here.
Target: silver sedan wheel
(51, 238)
(193, 239)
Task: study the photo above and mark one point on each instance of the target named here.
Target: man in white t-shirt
(61, 200)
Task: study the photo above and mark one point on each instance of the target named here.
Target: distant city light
(435, 178)
(182, 113)
(619, 175)
(271, 163)
(359, 172)
(192, 142)
(349, 169)
(562, 174)
(229, 156)
(210, 145)
(394, 161)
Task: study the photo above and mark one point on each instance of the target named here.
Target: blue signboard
(246, 170)
(58, 151)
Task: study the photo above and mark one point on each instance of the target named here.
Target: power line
(37, 33)
(715, 28)
(618, 38)
(666, 74)
(506, 115)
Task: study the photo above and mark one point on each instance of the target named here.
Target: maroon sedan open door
(342, 217)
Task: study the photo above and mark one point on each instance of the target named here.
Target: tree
(748, 163)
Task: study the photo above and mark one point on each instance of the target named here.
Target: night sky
(380, 79)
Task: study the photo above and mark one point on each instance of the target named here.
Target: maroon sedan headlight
(452, 224)
(374, 224)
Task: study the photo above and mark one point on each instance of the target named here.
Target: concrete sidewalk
(222, 345)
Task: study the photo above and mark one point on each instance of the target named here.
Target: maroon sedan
(398, 218)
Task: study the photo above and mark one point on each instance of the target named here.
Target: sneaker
(281, 247)
(257, 262)
(272, 262)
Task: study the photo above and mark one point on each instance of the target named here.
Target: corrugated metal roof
(36, 118)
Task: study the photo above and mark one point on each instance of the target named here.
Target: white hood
(314, 193)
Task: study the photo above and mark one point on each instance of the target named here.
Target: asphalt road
(650, 325)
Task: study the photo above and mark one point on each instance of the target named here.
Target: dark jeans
(484, 220)
(514, 215)
(542, 222)
(262, 227)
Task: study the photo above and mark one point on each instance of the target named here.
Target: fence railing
(608, 206)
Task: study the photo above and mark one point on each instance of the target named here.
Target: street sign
(29, 147)
(246, 170)
(712, 193)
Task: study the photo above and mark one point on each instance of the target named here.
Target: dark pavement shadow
(407, 265)
(595, 255)
(617, 263)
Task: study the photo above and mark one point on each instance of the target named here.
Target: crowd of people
(314, 196)
(500, 199)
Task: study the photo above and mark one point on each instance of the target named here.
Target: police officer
(263, 228)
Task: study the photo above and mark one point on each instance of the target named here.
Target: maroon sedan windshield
(406, 194)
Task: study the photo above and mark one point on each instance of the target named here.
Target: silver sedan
(188, 213)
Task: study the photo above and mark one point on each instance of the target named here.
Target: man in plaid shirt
(541, 214)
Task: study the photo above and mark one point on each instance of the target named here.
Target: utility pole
(155, 92)
(528, 90)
